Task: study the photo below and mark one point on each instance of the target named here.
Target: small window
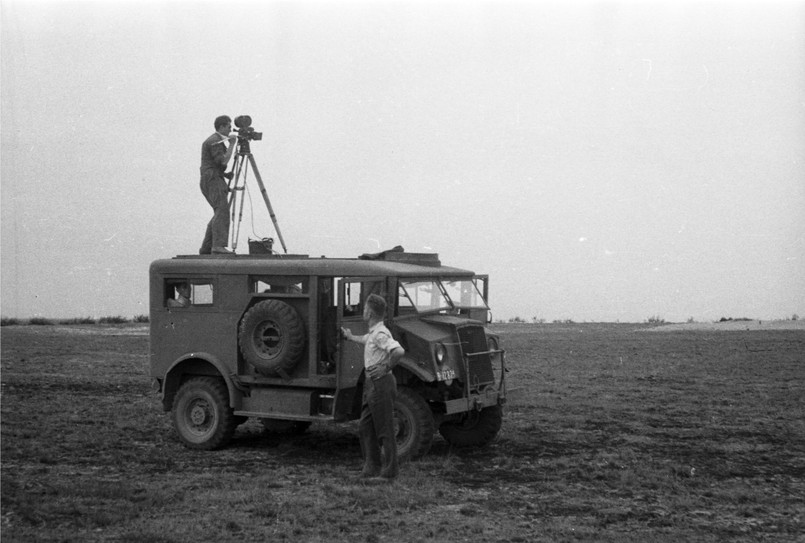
(186, 293)
(202, 294)
(355, 295)
(279, 285)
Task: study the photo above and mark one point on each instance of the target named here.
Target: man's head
(375, 307)
(223, 122)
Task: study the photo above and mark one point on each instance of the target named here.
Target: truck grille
(473, 340)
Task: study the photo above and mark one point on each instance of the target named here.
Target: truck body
(239, 336)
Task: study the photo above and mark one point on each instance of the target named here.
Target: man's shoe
(369, 471)
(380, 480)
(222, 251)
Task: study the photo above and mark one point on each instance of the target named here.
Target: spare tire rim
(268, 339)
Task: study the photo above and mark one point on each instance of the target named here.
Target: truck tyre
(413, 424)
(201, 414)
(272, 337)
(475, 429)
(280, 426)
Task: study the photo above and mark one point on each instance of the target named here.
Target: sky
(600, 161)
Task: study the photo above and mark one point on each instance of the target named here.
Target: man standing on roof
(376, 428)
(214, 157)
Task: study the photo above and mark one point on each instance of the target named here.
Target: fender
(419, 371)
(199, 360)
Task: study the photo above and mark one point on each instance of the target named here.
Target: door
(352, 294)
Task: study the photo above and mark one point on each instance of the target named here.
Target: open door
(352, 294)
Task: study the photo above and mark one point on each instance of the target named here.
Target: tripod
(237, 185)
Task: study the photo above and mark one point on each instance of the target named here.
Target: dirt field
(618, 434)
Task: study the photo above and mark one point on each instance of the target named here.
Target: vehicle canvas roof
(303, 265)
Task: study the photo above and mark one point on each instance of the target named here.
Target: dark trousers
(378, 442)
(216, 191)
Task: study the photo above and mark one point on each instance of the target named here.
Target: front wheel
(413, 424)
(475, 428)
(201, 414)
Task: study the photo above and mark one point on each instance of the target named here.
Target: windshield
(423, 295)
(433, 295)
(464, 293)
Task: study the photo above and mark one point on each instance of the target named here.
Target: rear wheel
(475, 428)
(201, 414)
(413, 424)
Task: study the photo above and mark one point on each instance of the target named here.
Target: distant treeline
(654, 319)
(6, 321)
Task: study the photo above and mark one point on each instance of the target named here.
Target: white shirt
(379, 344)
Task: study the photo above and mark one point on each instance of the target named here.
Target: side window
(355, 295)
(279, 285)
(181, 293)
(202, 294)
(481, 284)
(404, 303)
(177, 294)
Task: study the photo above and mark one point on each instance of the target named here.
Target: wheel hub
(402, 427)
(199, 414)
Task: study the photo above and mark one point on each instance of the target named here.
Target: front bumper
(476, 402)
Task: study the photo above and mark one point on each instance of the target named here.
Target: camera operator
(214, 157)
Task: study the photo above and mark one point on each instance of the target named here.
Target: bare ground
(614, 435)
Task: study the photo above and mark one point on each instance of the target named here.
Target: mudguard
(171, 382)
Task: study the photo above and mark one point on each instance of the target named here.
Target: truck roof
(399, 264)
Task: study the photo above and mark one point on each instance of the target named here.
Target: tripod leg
(268, 204)
(240, 212)
(235, 185)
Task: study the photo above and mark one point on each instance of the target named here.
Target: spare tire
(272, 337)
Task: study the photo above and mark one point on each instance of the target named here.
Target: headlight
(441, 352)
(491, 343)
(494, 358)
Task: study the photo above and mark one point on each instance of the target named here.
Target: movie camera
(245, 130)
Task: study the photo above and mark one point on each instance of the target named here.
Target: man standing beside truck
(376, 428)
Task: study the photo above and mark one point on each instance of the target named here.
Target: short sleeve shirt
(379, 344)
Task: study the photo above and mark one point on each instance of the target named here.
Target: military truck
(240, 336)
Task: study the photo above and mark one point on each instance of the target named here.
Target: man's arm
(222, 154)
(395, 355)
(348, 335)
(229, 150)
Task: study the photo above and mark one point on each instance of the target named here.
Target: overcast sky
(601, 161)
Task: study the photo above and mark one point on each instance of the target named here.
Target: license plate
(445, 375)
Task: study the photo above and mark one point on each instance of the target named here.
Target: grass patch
(616, 435)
